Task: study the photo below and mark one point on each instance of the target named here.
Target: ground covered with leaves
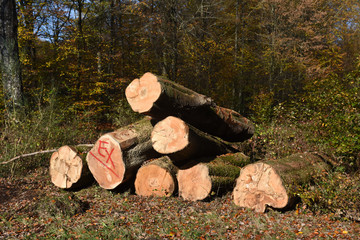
(31, 207)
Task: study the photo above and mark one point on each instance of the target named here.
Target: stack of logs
(183, 146)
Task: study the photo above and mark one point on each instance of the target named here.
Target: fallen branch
(41, 152)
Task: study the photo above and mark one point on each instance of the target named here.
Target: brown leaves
(113, 215)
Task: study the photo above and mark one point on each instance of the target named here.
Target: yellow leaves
(98, 89)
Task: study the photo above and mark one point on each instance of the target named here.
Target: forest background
(292, 67)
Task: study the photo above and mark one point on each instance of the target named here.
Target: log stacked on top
(187, 150)
(190, 127)
(159, 98)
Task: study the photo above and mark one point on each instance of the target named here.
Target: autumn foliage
(291, 67)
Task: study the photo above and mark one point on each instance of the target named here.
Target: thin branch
(41, 152)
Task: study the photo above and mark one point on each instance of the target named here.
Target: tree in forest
(9, 57)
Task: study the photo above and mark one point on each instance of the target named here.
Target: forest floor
(31, 207)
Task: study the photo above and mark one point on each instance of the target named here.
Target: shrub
(336, 193)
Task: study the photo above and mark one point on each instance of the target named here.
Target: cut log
(116, 156)
(273, 183)
(156, 178)
(159, 98)
(182, 142)
(68, 169)
(210, 178)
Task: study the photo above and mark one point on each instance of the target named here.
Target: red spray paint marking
(104, 164)
(101, 143)
(109, 157)
(101, 147)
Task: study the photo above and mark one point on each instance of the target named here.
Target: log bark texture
(214, 177)
(159, 98)
(156, 178)
(68, 168)
(116, 156)
(273, 183)
(181, 142)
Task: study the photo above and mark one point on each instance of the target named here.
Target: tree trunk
(182, 142)
(80, 43)
(28, 17)
(156, 178)
(160, 98)
(68, 169)
(116, 156)
(9, 56)
(207, 179)
(273, 183)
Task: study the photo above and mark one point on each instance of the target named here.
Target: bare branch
(41, 152)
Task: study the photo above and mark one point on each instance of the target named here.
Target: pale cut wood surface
(67, 167)
(274, 182)
(182, 142)
(156, 178)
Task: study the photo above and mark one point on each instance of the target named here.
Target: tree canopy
(252, 56)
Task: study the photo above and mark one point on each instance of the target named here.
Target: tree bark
(68, 169)
(273, 183)
(9, 56)
(156, 178)
(116, 156)
(182, 142)
(159, 98)
(211, 178)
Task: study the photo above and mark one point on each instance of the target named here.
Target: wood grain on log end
(106, 163)
(259, 186)
(142, 93)
(170, 135)
(65, 167)
(153, 180)
(194, 183)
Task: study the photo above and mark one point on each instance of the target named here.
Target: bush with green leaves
(335, 193)
(333, 114)
(327, 115)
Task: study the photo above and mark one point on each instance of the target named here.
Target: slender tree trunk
(174, 40)
(115, 25)
(29, 23)
(237, 92)
(9, 56)
(80, 42)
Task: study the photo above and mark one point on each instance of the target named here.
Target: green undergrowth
(40, 130)
(335, 193)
